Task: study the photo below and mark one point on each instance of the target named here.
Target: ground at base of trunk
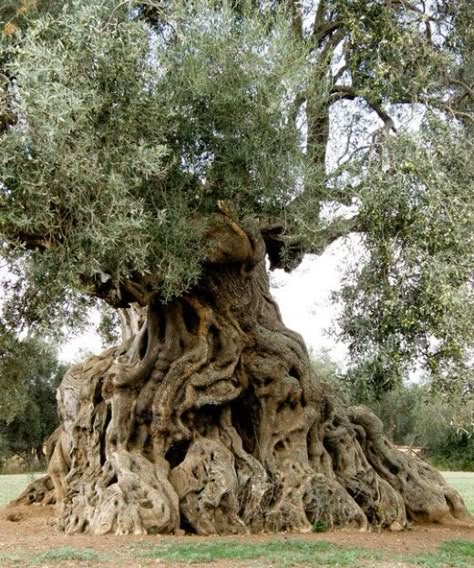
(33, 537)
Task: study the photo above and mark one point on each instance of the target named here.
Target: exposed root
(131, 495)
(426, 495)
(40, 491)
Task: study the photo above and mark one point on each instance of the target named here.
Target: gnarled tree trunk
(211, 420)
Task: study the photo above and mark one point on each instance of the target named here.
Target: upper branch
(287, 252)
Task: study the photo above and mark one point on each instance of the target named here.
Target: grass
(287, 553)
(67, 553)
(52, 556)
(276, 553)
(12, 485)
(281, 553)
(453, 553)
(463, 481)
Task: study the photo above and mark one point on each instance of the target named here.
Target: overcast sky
(304, 297)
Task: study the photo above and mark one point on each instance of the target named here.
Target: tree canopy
(127, 126)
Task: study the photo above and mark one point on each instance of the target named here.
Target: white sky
(304, 297)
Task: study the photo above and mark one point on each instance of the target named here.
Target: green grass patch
(294, 552)
(25, 557)
(463, 481)
(12, 485)
(450, 554)
(67, 553)
(282, 553)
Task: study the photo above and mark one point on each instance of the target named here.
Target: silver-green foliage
(128, 137)
(409, 305)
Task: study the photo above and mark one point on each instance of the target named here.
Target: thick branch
(130, 321)
(286, 252)
(336, 230)
(325, 30)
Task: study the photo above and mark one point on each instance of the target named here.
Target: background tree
(29, 376)
(158, 153)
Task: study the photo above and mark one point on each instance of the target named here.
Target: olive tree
(162, 156)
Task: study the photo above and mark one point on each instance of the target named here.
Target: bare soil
(32, 531)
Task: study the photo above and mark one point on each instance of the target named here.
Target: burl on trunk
(210, 419)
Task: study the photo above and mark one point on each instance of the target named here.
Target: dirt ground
(32, 530)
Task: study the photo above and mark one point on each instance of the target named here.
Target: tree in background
(444, 428)
(29, 376)
(156, 154)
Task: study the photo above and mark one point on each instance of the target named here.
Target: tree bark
(211, 420)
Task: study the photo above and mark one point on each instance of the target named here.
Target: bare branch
(468, 89)
(325, 30)
(344, 92)
(338, 229)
